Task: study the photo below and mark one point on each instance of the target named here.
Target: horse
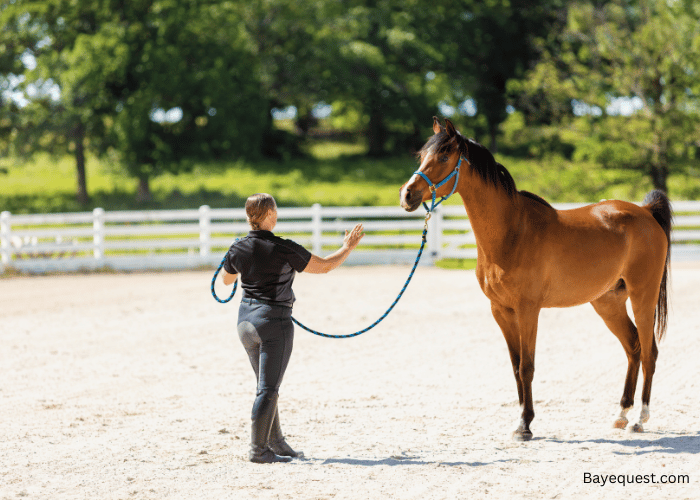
(531, 256)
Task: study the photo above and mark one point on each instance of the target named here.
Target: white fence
(176, 239)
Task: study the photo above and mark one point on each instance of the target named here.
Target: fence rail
(175, 239)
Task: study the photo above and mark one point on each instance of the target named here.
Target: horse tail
(659, 205)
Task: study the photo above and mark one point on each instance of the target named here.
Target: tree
(381, 59)
(363, 55)
(9, 64)
(488, 43)
(17, 33)
(121, 65)
(192, 58)
(287, 50)
(52, 37)
(642, 53)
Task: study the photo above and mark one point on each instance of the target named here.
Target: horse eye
(444, 158)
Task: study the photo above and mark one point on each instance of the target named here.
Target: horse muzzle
(411, 198)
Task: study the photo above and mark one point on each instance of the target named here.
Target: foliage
(55, 37)
(488, 43)
(288, 47)
(16, 33)
(118, 65)
(161, 87)
(643, 52)
(380, 57)
(187, 56)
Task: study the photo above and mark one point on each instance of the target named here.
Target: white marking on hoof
(522, 436)
(622, 421)
(643, 419)
(644, 414)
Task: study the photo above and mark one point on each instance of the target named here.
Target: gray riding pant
(267, 333)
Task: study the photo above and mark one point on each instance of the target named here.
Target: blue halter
(435, 187)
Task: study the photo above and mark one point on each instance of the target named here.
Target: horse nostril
(408, 194)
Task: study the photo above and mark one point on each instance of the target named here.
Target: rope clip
(425, 226)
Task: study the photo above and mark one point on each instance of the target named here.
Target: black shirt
(267, 265)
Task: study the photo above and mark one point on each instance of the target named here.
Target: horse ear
(449, 127)
(437, 128)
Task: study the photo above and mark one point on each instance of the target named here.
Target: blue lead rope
(413, 270)
(235, 285)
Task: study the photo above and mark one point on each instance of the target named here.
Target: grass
(335, 174)
(47, 185)
(463, 264)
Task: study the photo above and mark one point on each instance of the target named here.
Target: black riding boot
(277, 442)
(264, 412)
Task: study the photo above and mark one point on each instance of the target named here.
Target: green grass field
(334, 174)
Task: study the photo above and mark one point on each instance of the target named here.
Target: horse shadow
(679, 443)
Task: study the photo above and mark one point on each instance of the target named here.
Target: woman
(267, 265)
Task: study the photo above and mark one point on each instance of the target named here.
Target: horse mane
(535, 197)
(481, 161)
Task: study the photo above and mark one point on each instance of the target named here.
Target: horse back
(585, 251)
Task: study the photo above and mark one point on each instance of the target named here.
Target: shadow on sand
(679, 443)
(408, 460)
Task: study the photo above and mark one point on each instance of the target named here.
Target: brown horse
(532, 256)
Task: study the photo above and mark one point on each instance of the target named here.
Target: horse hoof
(620, 423)
(521, 435)
(637, 428)
(644, 415)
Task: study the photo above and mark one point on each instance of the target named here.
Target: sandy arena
(135, 386)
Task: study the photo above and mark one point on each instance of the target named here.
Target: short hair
(257, 207)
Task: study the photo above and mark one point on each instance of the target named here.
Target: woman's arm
(321, 265)
(229, 279)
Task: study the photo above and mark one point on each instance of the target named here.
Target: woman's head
(257, 208)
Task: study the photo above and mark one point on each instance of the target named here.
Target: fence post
(316, 229)
(435, 235)
(98, 234)
(204, 231)
(4, 240)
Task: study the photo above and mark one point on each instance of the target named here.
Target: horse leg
(505, 317)
(527, 326)
(611, 307)
(644, 307)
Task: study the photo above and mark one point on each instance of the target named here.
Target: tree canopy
(158, 84)
(632, 68)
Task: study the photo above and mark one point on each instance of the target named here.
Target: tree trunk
(659, 165)
(304, 122)
(659, 177)
(376, 134)
(493, 133)
(82, 193)
(143, 193)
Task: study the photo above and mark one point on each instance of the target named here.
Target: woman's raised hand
(321, 265)
(353, 237)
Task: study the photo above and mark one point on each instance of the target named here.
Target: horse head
(439, 158)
